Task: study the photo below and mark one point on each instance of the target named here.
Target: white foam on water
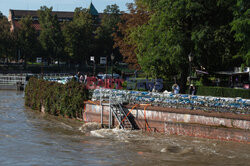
(96, 134)
(160, 143)
(87, 127)
(163, 150)
(123, 135)
(118, 134)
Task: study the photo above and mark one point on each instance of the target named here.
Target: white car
(107, 76)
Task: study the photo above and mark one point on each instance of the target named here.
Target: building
(16, 15)
(239, 78)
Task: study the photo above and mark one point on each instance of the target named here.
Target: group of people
(176, 89)
(82, 78)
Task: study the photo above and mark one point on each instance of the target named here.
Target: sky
(59, 5)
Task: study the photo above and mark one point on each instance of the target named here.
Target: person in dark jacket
(192, 89)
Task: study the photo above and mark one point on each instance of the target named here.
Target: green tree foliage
(7, 40)
(51, 37)
(78, 36)
(104, 33)
(211, 34)
(241, 27)
(129, 21)
(179, 27)
(163, 43)
(27, 39)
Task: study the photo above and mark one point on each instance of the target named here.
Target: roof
(93, 10)
(231, 73)
(16, 15)
(201, 72)
(34, 13)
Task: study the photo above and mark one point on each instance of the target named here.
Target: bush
(124, 85)
(57, 99)
(223, 92)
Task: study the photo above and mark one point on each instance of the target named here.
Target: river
(29, 137)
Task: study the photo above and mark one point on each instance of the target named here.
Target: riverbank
(30, 137)
(173, 121)
(207, 117)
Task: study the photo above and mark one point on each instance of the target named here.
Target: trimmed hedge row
(56, 99)
(223, 92)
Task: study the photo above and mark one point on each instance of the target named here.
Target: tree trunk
(24, 66)
(183, 81)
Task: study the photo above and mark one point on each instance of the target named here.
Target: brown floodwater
(28, 137)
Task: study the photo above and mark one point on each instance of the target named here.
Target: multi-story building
(16, 15)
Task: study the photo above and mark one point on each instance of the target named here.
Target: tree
(214, 45)
(79, 36)
(179, 27)
(7, 42)
(27, 39)
(138, 16)
(241, 27)
(51, 37)
(104, 38)
(164, 42)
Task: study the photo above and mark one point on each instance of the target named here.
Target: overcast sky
(60, 5)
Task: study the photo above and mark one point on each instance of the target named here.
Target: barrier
(12, 79)
(207, 103)
(12, 82)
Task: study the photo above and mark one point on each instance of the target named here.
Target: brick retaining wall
(180, 123)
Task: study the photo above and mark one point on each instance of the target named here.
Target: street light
(112, 58)
(92, 58)
(190, 58)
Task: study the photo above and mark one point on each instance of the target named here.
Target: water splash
(87, 127)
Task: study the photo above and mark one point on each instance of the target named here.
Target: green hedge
(57, 99)
(223, 92)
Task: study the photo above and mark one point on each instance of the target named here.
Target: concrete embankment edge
(178, 122)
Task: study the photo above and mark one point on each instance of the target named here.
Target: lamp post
(92, 58)
(106, 73)
(112, 58)
(190, 58)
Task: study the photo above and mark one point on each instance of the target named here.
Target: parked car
(107, 76)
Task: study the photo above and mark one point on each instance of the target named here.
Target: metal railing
(120, 114)
(12, 79)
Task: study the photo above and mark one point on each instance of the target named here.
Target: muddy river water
(28, 137)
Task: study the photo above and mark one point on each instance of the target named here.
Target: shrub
(57, 99)
(223, 92)
(124, 85)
